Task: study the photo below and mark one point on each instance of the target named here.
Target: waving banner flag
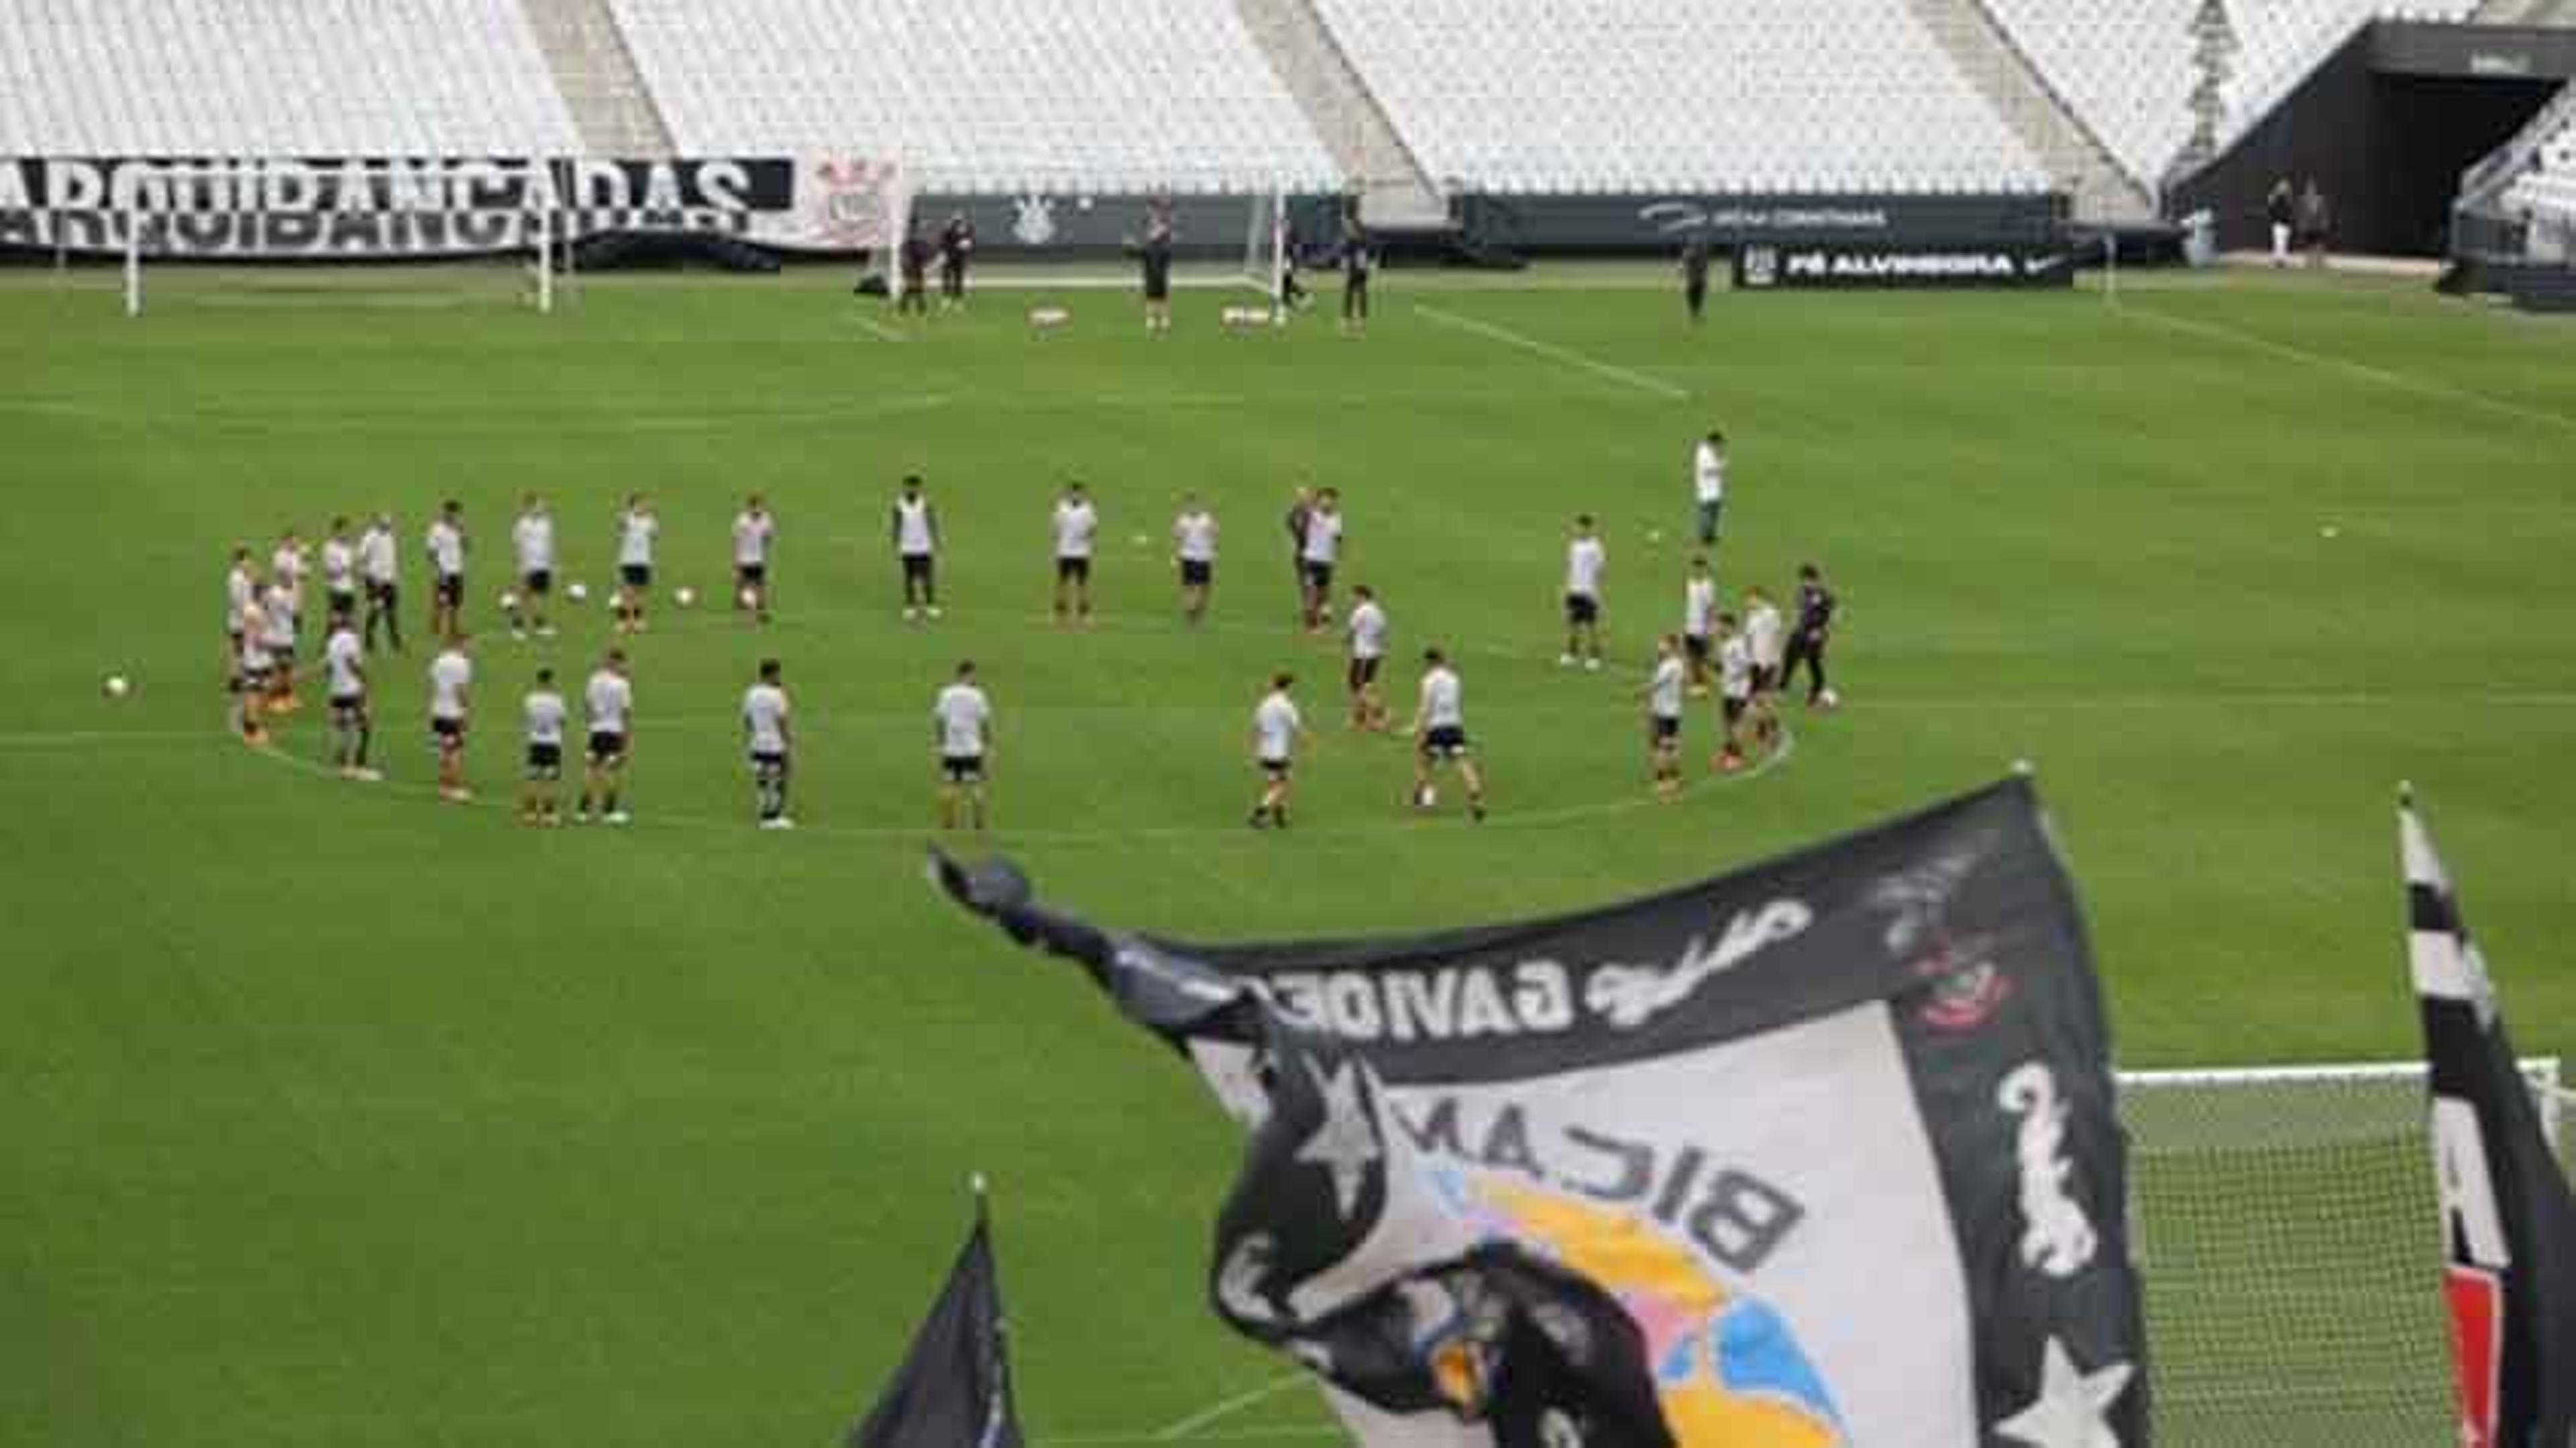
(954, 1388)
(2508, 1224)
(1818, 1153)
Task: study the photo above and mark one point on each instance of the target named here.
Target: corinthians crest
(1033, 220)
(1966, 986)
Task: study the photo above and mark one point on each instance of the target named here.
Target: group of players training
(1744, 659)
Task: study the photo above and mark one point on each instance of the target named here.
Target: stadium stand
(1521, 96)
(2130, 66)
(985, 95)
(2547, 192)
(249, 77)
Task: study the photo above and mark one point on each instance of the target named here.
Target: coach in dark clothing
(1695, 255)
(1357, 261)
(1154, 262)
(914, 259)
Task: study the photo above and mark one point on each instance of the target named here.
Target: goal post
(1266, 239)
(2288, 1234)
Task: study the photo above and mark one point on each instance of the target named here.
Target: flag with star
(1821, 1152)
(2508, 1221)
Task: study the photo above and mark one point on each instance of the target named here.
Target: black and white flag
(2508, 1223)
(1819, 1153)
(954, 1388)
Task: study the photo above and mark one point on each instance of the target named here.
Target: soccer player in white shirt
(1585, 559)
(451, 680)
(765, 737)
(1699, 623)
(1276, 728)
(340, 575)
(1367, 629)
(1708, 485)
(241, 591)
(1440, 735)
(1663, 694)
(344, 659)
(446, 546)
(543, 713)
(379, 570)
(962, 722)
(609, 702)
(277, 636)
(754, 532)
(637, 527)
(1735, 691)
(1194, 549)
(1317, 555)
(286, 567)
(916, 547)
(1077, 530)
(532, 537)
(1765, 633)
(249, 701)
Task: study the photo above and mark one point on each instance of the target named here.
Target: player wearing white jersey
(340, 575)
(1734, 691)
(1766, 635)
(1440, 735)
(247, 706)
(608, 701)
(1585, 560)
(451, 681)
(916, 547)
(532, 538)
(344, 660)
(1276, 729)
(766, 739)
(1367, 629)
(286, 567)
(379, 573)
(1077, 531)
(755, 536)
(637, 527)
(1194, 549)
(543, 714)
(1708, 486)
(241, 590)
(278, 625)
(1663, 693)
(445, 544)
(1319, 552)
(962, 722)
(1699, 623)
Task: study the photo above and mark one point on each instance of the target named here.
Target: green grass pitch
(335, 1116)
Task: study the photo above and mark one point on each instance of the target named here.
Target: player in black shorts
(1815, 628)
(1154, 260)
(1357, 261)
(912, 258)
(1695, 259)
(956, 248)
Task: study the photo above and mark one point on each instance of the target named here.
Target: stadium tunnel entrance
(2386, 126)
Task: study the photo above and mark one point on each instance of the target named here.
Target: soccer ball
(748, 598)
(509, 602)
(576, 592)
(684, 596)
(1427, 797)
(115, 686)
(1829, 699)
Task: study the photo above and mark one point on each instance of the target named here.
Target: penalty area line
(1566, 355)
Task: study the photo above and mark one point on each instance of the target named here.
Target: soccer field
(336, 1115)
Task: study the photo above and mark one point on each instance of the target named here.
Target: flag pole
(983, 1208)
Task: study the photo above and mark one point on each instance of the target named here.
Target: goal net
(2286, 1228)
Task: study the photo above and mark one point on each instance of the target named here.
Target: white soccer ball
(576, 592)
(116, 686)
(748, 598)
(509, 601)
(1426, 797)
(684, 596)
(1829, 698)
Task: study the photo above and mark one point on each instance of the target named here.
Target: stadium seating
(984, 95)
(2129, 67)
(1621, 96)
(2547, 193)
(259, 77)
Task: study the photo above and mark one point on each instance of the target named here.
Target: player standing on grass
(1318, 556)
(1816, 605)
(1367, 626)
(1276, 728)
(764, 728)
(380, 571)
(1708, 485)
(250, 673)
(1762, 630)
(532, 538)
(1301, 513)
(445, 543)
(962, 722)
(1734, 692)
(1194, 549)
(1077, 531)
(1663, 695)
(1440, 735)
(1357, 262)
(1699, 622)
(913, 259)
(277, 637)
(340, 575)
(956, 248)
(344, 659)
(1585, 559)
(609, 702)
(451, 680)
(241, 592)
(754, 530)
(916, 546)
(543, 711)
(1695, 258)
(286, 568)
(637, 527)
(1154, 259)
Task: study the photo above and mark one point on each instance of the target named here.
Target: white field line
(2362, 371)
(1184, 1427)
(1304, 1431)
(1554, 353)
